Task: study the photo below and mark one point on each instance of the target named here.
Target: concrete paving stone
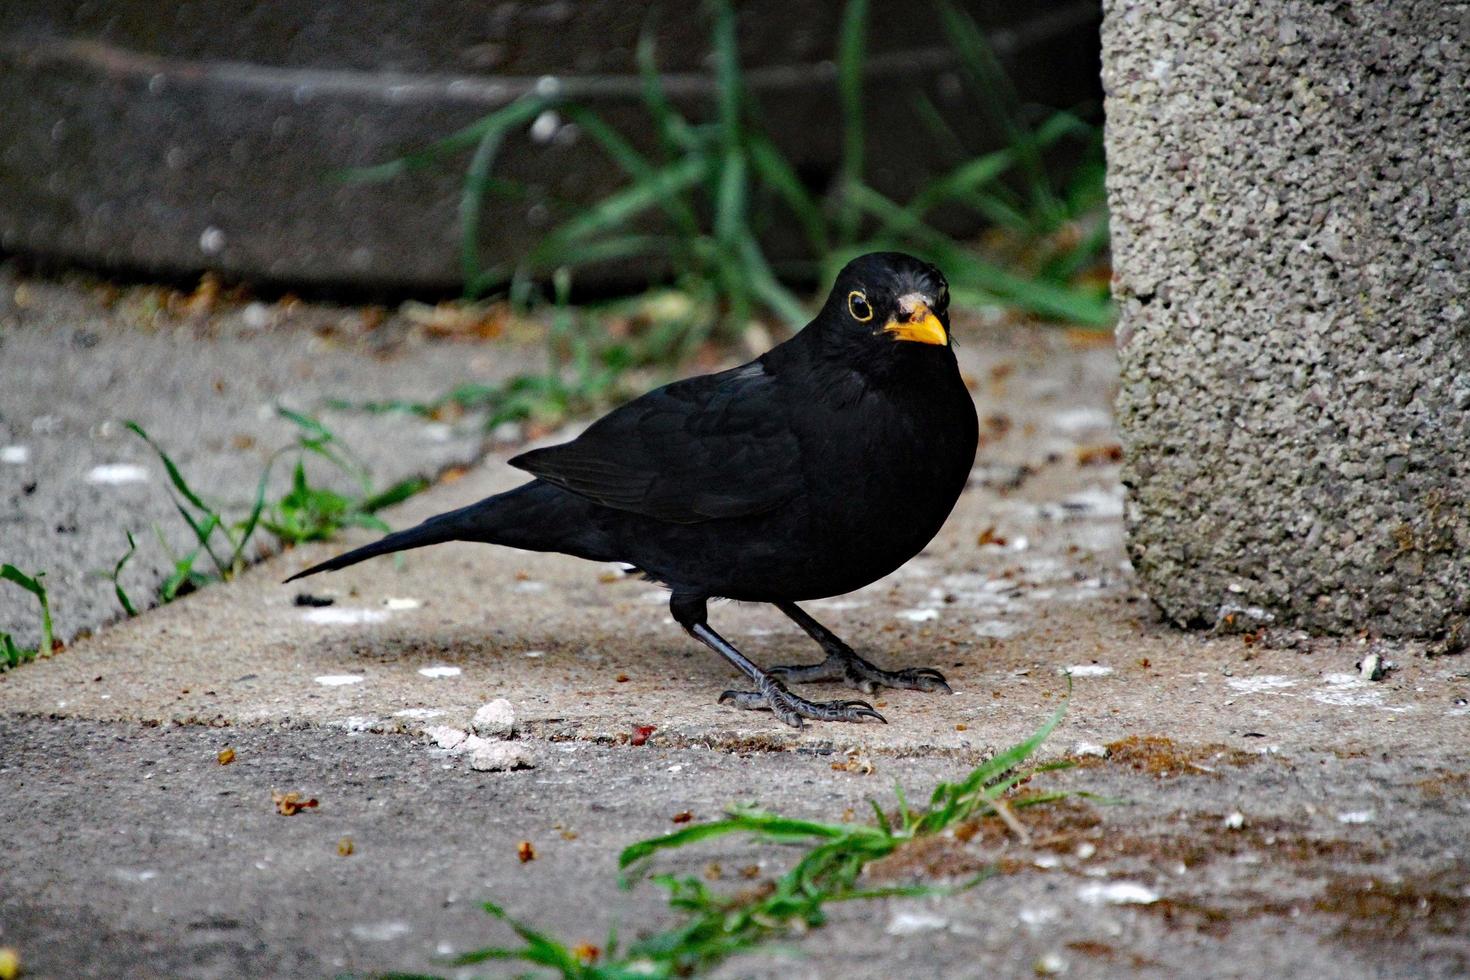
(76, 362)
(1278, 814)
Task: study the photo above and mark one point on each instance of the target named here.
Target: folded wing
(711, 447)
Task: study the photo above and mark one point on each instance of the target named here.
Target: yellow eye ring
(857, 305)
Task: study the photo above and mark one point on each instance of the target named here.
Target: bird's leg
(769, 694)
(843, 664)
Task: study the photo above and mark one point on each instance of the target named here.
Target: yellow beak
(922, 326)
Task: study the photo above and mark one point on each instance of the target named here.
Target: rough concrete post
(1290, 194)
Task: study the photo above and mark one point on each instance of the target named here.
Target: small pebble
(496, 719)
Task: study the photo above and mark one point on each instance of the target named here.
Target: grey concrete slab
(1285, 816)
(76, 361)
(136, 854)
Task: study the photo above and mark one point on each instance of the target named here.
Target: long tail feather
(436, 530)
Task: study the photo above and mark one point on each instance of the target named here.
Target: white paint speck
(256, 315)
(398, 603)
(1262, 684)
(381, 932)
(338, 680)
(1117, 893)
(530, 587)
(838, 605)
(1039, 915)
(1351, 691)
(534, 654)
(543, 130)
(1089, 748)
(1047, 861)
(420, 714)
(909, 923)
(343, 616)
(15, 454)
(1080, 421)
(438, 432)
(117, 473)
(1087, 670)
(1085, 850)
(1234, 820)
(145, 874)
(437, 672)
(1356, 816)
(211, 241)
(1049, 964)
(919, 615)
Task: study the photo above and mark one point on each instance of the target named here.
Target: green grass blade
(616, 210)
(632, 163)
(122, 596)
(751, 823)
(521, 110)
(767, 287)
(999, 98)
(772, 167)
(174, 475)
(851, 54)
(35, 587)
(674, 130)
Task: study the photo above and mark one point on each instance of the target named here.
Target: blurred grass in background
(698, 208)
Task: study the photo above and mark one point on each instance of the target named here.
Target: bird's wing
(710, 447)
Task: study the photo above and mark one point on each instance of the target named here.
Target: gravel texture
(1292, 245)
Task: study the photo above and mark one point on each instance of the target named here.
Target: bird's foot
(860, 675)
(773, 696)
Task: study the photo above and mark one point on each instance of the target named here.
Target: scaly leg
(769, 694)
(843, 664)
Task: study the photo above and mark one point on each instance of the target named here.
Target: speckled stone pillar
(1290, 194)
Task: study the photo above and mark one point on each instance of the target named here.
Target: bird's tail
(435, 530)
(535, 516)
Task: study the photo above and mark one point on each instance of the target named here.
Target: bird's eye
(857, 305)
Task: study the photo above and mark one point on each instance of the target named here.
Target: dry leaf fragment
(857, 763)
(525, 851)
(640, 734)
(1098, 455)
(621, 678)
(586, 952)
(683, 816)
(988, 536)
(345, 846)
(226, 756)
(290, 804)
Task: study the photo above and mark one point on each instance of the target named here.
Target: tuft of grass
(700, 202)
(713, 926)
(304, 513)
(11, 653)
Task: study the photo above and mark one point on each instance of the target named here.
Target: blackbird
(814, 470)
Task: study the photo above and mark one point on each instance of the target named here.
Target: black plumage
(817, 468)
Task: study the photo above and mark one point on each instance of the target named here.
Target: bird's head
(887, 304)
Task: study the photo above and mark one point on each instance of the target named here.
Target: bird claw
(860, 675)
(791, 709)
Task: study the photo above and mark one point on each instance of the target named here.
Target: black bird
(817, 468)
